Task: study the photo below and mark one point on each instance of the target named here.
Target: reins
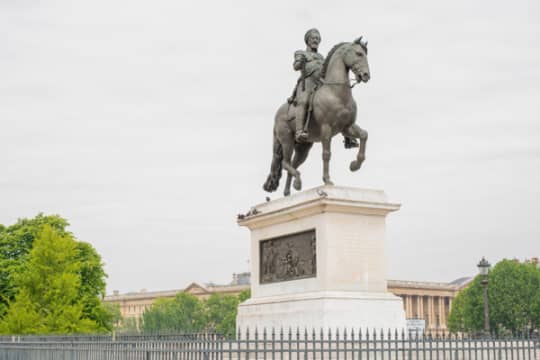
(351, 85)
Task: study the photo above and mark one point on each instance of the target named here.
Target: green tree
(220, 313)
(535, 306)
(16, 242)
(48, 297)
(23, 318)
(184, 313)
(127, 325)
(513, 295)
(92, 289)
(114, 314)
(244, 295)
(467, 309)
(513, 290)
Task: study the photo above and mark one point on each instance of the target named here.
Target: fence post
(409, 353)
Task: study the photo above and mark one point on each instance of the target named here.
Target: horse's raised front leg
(362, 135)
(326, 139)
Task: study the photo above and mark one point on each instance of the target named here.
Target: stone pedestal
(323, 264)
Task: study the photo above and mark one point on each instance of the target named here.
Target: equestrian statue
(320, 107)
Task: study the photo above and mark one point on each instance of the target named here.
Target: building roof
(234, 287)
(454, 285)
(462, 281)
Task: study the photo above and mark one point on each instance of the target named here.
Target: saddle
(348, 142)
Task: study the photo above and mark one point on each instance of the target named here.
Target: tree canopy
(183, 313)
(49, 279)
(513, 297)
(220, 312)
(186, 313)
(15, 243)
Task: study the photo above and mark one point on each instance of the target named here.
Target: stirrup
(350, 143)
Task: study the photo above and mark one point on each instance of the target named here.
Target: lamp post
(483, 269)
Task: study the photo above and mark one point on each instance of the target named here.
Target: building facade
(428, 301)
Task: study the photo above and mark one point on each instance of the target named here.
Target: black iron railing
(273, 345)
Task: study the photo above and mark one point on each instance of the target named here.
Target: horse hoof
(297, 184)
(355, 165)
(328, 182)
(286, 193)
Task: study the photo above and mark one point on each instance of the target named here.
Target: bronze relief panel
(288, 257)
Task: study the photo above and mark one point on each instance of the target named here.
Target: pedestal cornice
(322, 199)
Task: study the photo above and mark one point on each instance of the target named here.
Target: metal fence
(271, 345)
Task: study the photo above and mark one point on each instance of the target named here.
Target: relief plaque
(288, 257)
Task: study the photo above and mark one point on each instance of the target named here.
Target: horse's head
(355, 58)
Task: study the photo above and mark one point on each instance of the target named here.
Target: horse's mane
(328, 57)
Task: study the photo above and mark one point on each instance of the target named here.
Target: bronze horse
(334, 111)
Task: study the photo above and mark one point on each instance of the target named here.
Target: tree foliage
(127, 325)
(74, 268)
(513, 296)
(48, 290)
(92, 289)
(186, 313)
(15, 243)
(220, 314)
(467, 308)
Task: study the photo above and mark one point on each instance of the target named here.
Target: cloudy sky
(148, 125)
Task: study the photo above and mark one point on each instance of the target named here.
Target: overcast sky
(147, 124)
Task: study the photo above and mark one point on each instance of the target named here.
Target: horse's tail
(272, 181)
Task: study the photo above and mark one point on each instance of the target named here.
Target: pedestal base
(318, 261)
(322, 310)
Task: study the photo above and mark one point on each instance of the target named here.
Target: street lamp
(483, 269)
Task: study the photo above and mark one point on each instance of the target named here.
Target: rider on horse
(309, 62)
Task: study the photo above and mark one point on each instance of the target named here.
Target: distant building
(429, 301)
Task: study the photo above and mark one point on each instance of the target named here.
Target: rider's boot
(301, 135)
(350, 142)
